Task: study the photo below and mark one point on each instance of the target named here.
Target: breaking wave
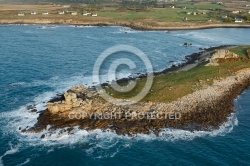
(96, 143)
(11, 151)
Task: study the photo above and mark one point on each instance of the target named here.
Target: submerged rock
(187, 44)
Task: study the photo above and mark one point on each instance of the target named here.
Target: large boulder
(57, 107)
(70, 97)
(76, 97)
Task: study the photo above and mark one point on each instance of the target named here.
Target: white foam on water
(17, 84)
(81, 26)
(50, 150)
(97, 143)
(114, 76)
(48, 27)
(126, 30)
(198, 35)
(177, 134)
(24, 118)
(11, 151)
(25, 162)
(65, 83)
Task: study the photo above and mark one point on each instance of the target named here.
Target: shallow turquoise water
(38, 62)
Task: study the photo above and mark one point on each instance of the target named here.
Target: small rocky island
(204, 109)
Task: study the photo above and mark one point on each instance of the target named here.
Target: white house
(61, 13)
(74, 13)
(236, 12)
(189, 13)
(20, 14)
(45, 13)
(86, 13)
(33, 13)
(239, 20)
(94, 15)
(224, 16)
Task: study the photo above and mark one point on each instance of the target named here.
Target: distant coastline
(137, 26)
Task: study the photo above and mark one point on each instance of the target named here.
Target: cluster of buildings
(238, 12)
(195, 13)
(236, 19)
(74, 13)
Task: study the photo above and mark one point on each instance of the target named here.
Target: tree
(248, 17)
(228, 19)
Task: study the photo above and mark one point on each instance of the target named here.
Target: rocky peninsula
(204, 109)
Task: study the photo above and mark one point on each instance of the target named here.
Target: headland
(204, 104)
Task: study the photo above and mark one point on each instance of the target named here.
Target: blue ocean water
(39, 61)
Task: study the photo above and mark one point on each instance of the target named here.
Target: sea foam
(11, 151)
(97, 143)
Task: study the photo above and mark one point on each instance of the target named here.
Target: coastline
(175, 26)
(204, 109)
(192, 61)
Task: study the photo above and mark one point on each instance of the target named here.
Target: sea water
(39, 61)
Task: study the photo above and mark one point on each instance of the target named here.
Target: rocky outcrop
(204, 109)
(221, 56)
(75, 98)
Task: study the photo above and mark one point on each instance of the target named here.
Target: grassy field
(169, 87)
(242, 51)
(154, 14)
(206, 12)
(157, 14)
(201, 5)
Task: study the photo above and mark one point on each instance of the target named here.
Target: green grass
(169, 87)
(242, 51)
(156, 14)
(149, 16)
(201, 6)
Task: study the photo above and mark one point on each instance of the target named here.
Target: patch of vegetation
(156, 14)
(203, 6)
(170, 87)
(242, 51)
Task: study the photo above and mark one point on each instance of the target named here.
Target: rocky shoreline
(137, 26)
(205, 109)
(191, 60)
